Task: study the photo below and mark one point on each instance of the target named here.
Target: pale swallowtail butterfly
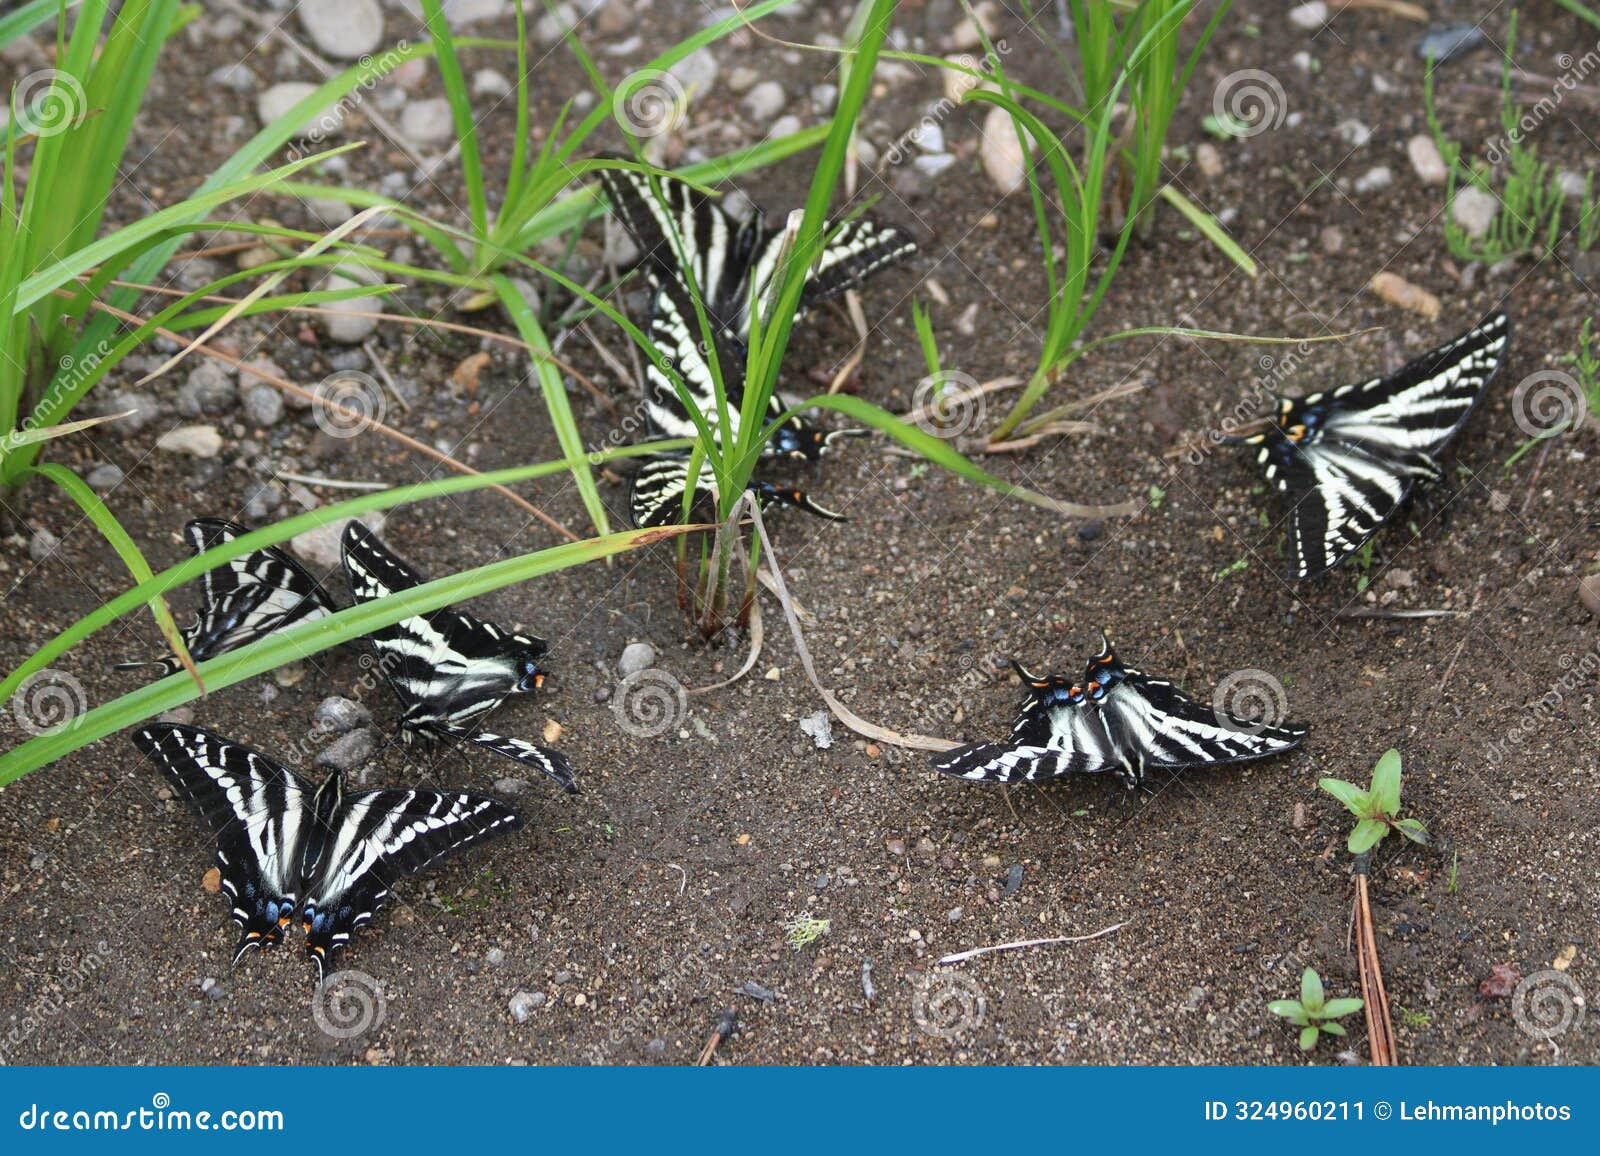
(448, 668)
(683, 235)
(242, 600)
(1346, 460)
(1115, 719)
(288, 850)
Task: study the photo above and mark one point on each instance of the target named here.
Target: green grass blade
(941, 453)
(455, 91)
(15, 25)
(95, 510)
(280, 532)
(1210, 228)
(313, 637)
(562, 419)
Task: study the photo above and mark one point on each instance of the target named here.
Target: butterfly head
(803, 443)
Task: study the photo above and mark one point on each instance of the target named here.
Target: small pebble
(320, 547)
(1374, 179)
(42, 544)
(340, 714)
(636, 657)
(105, 476)
(1589, 594)
(1353, 132)
(494, 957)
(263, 406)
(510, 786)
(427, 123)
(1013, 878)
(1449, 41)
(765, 101)
(524, 1003)
(344, 31)
(820, 727)
(349, 752)
(1309, 17)
(1396, 290)
(201, 441)
(1426, 161)
(1474, 210)
(1001, 151)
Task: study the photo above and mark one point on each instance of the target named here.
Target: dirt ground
(633, 913)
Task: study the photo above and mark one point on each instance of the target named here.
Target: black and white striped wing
(854, 251)
(244, 599)
(680, 341)
(447, 667)
(1418, 409)
(531, 755)
(377, 838)
(1363, 448)
(1154, 724)
(655, 497)
(1049, 739)
(259, 811)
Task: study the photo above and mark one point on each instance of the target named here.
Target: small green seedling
(803, 930)
(1377, 808)
(1313, 1013)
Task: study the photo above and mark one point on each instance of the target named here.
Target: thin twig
(963, 956)
(371, 348)
(1375, 999)
(1372, 612)
(333, 483)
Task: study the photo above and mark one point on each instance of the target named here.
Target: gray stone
(488, 82)
(349, 752)
(697, 72)
(209, 388)
(346, 30)
(42, 544)
(1426, 161)
(320, 547)
(328, 212)
(201, 441)
(1309, 17)
(525, 1003)
(494, 957)
(235, 77)
(820, 727)
(104, 477)
(340, 322)
(336, 713)
(1450, 41)
(280, 98)
(510, 786)
(263, 406)
(427, 123)
(141, 408)
(553, 25)
(636, 656)
(1374, 179)
(765, 101)
(786, 125)
(1474, 210)
(1353, 132)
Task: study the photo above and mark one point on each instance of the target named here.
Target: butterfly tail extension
(546, 761)
(769, 494)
